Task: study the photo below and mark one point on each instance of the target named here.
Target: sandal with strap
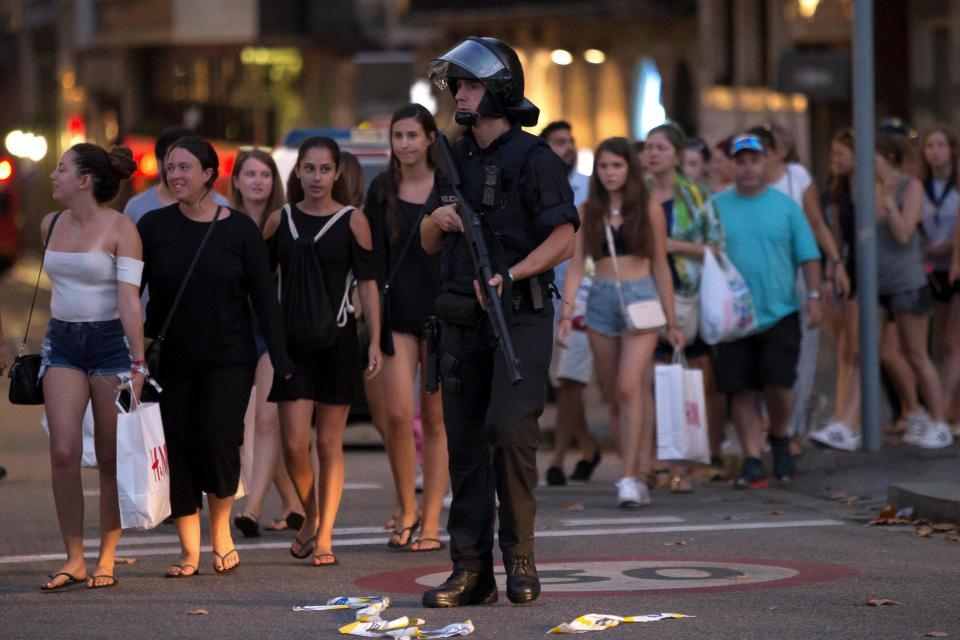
(326, 554)
(302, 550)
(223, 568)
(431, 541)
(71, 581)
(394, 542)
(181, 573)
(92, 582)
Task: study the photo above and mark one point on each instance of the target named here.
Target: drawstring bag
(308, 318)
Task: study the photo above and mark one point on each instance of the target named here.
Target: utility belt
(530, 295)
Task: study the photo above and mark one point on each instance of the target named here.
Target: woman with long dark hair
(95, 338)
(619, 211)
(940, 153)
(209, 354)
(692, 229)
(410, 280)
(324, 379)
(257, 190)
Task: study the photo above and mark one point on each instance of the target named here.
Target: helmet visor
(470, 56)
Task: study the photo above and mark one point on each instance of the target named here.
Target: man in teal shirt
(767, 239)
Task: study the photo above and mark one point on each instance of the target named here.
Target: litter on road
(599, 622)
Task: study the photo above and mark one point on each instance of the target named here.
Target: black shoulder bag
(25, 387)
(152, 355)
(386, 333)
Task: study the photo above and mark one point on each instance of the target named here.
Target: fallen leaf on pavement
(775, 512)
(883, 602)
(572, 506)
(197, 612)
(943, 527)
(120, 560)
(925, 532)
(935, 634)
(889, 516)
(852, 500)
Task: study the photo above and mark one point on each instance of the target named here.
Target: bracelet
(140, 368)
(137, 361)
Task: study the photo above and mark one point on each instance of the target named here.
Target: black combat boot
(463, 587)
(523, 583)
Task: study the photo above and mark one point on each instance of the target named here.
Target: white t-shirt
(794, 182)
(939, 222)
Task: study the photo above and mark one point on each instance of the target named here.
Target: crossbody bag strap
(612, 248)
(186, 277)
(403, 252)
(36, 287)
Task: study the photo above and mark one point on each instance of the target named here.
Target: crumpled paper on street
(599, 622)
(369, 607)
(378, 628)
(409, 632)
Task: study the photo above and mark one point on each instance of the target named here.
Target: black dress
(417, 281)
(209, 355)
(324, 375)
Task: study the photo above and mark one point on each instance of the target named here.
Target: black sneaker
(3, 473)
(584, 468)
(555, 477)
(752, 475)
(784, 467)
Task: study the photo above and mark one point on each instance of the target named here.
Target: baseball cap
(746, 143)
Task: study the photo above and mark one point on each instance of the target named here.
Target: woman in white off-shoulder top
(95, 339)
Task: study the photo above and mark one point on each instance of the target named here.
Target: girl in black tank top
(324, 379)
(410, 281)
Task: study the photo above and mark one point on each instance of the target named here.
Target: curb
(933, 501)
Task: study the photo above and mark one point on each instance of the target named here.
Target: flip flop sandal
(247, 525)
(320, 556)
(93, 582)
(421, 549)
(183, 567)
(71, 581)
(305, 548)
(222, 558)
(295, 520)
(394, 542)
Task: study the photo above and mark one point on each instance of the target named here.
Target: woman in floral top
(692, 229)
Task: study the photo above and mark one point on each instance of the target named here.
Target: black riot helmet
(493, 63)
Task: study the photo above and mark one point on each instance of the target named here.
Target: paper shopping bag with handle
(681, 413)
(143, 475)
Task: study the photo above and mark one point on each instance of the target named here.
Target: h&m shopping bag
(143, 476)
(681, 413)
(726, 304)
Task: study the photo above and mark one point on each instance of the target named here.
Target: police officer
(519, 188)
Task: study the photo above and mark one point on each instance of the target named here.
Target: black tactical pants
(492, 434)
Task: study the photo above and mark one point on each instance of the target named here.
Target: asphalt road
(779, 563)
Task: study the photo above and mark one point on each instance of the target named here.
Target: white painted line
(362, 542)
(361, 486)
(134, 541)
(581, 522)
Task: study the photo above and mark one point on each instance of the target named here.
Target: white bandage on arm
(129, 270)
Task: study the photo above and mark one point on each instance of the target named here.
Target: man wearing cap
(767, 238)
(519, 188)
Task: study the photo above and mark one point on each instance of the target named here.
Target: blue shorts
(93, 348)
(604, 312)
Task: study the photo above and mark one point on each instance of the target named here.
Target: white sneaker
(917, 423)
(936, 436)
(838, 436)
(631, 494)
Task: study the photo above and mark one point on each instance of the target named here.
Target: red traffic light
(6, 169)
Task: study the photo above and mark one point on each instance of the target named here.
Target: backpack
(309, 322)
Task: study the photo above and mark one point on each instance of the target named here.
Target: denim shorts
(94, 348)
(604, 313)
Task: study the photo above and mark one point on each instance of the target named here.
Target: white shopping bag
(143, 476)
(726, 304)
(89, 458)
(681, 413)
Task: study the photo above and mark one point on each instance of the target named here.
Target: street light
(594, 56)
(561, 57)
